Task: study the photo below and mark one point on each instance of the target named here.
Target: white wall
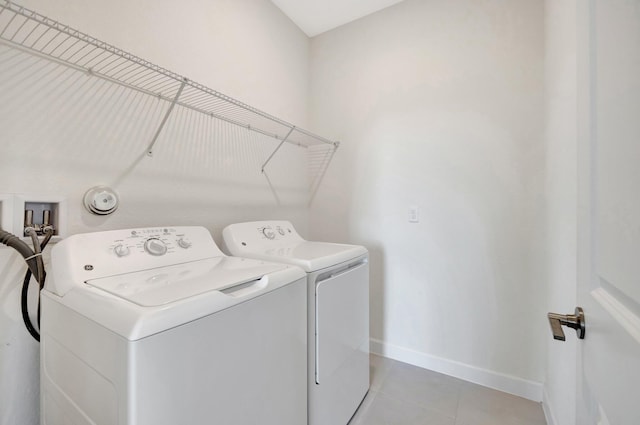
(440, 105)
(63, 132)
(560, 227)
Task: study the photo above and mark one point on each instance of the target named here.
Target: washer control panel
(152, 241)
(94, 255)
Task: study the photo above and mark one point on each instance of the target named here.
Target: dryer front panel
(342, 319)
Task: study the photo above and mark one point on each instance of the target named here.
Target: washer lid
(164, 285)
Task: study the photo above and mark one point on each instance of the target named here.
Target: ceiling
(317, 16)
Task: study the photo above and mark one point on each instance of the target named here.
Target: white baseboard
(548, 410)
(499, 381)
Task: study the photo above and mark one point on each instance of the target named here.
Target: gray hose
(37, 254)
(14, 242)
(36, 268)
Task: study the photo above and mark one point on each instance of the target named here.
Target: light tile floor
(402, 394)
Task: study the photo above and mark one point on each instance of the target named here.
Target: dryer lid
(277, 240)
(164, 285)
(310, 256)
(313, 256)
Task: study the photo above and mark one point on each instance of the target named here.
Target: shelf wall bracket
(319, 178)
(165, 118)
(277, 148)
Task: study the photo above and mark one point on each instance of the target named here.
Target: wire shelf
(36, 34)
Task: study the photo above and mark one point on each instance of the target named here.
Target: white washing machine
(338, 311)
(157, 326)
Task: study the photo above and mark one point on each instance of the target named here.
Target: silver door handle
(574, 321)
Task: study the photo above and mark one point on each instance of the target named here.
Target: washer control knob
(184, 243)
(268, 233)
(155, 246)
(121, 250)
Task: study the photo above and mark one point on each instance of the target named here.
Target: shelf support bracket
(278, 148)
(319, 178)
(165, 118)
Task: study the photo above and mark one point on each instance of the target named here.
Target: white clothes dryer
(338, 311)
(156, 326)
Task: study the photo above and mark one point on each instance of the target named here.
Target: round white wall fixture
(101, 200)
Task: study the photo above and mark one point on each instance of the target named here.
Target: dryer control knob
(268, 233)
(184, 243)
(121, 250)
(155, 246)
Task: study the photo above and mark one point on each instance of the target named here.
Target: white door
(608, 387)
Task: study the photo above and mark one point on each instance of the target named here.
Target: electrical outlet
(39, 211)
(414, 214)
